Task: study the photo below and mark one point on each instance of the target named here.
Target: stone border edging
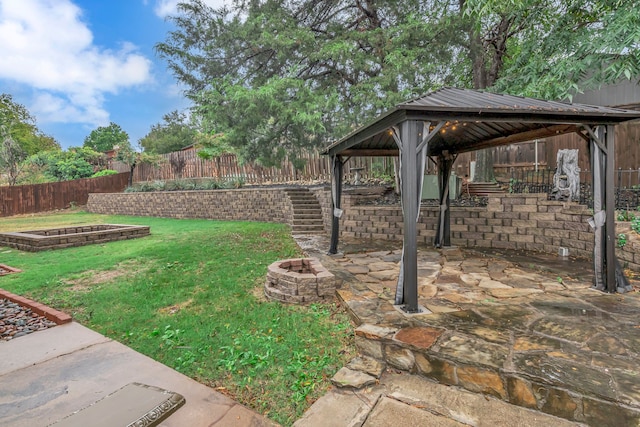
(54, 315)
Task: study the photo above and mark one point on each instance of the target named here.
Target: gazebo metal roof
(475, 120)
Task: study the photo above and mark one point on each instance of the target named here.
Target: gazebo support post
(610, 208)
(336, 202)
(596, 153)
(598, 222)
(443, 228)
(410, 138)
(608, 275)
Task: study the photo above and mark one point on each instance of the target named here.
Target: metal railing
(541, 181)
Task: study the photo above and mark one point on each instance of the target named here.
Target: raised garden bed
(66, 237)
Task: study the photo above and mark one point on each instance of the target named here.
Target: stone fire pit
(299, 281)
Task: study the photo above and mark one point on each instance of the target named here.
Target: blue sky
(80, 64)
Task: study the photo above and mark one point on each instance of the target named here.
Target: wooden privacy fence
(187, 164)
(23, 199)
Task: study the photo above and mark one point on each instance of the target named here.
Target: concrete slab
(134, 404)
(389, 412)
(340, 408)
(47, 391)
(44, 345)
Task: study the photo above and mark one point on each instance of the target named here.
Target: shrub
(184, 185)
(104, 172)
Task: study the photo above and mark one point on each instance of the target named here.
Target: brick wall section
(512, 221)
(263, 205)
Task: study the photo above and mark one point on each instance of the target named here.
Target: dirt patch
(90, 278)
(173, 309)
(258, 292)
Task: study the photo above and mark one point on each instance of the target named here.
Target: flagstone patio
(526, 328)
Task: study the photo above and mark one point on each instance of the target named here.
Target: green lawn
(190, 296)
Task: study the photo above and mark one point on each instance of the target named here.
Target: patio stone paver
(540, 338)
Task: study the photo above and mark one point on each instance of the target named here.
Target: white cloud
(164, 8)
(45, 44)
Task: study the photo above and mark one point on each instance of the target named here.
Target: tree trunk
(486, 54)
(484, 166)
(484, 158)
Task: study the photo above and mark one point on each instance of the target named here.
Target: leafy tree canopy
(75, 163)
(11, 157)
(212, 145)
(277, 77)
(19, 138)
(104, 138)
(567, 46)
(173, 134)
(20, 125)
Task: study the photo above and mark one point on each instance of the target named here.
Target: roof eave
(381, 124)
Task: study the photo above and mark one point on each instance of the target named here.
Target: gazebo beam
(371, 153)
(545, 132)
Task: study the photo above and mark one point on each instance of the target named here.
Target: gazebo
(450, 121)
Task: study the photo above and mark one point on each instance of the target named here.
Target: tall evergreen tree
(276, 76)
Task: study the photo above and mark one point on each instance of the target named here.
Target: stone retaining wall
(528, 222)
(511, 221)
(263, 204)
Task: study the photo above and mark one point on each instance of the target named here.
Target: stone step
(308, 224)
(301, 229)
(482, 371)
(308, 221)
(305, 200)
(299, 193)
(402, 399)
(307, 212)
(310, 215)
(307, 206)
(483, 189)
